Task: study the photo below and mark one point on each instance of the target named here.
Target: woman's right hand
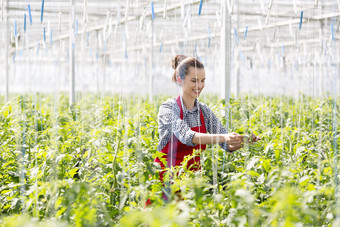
(234, 141)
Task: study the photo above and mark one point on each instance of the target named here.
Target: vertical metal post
(238, 65)
(151, 64)
(2, 10)
(335, 134)
(6, 56)
(72, 56)
(97, 64)
(225, 57)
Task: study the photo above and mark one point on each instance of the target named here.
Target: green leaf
(58, 202)
(277, 154)
(61, 211)
(253, 173)
(72, 172)
(266, 164)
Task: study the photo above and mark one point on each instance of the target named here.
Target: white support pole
(6, 56)
(2, 10)
(151, 64)
(225, 57)
(97, 64)
(72, 56)
(238, 65)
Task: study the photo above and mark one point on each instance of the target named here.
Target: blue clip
(245, 33)
(153, 11)
(200, 8)
(42, 11)
(332, 31)
(44, 35)
(236, 36)
(25, 22)
(15, 29)
(29, 13)
(301, 20)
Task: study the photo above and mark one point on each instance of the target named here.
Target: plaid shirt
(169, 122)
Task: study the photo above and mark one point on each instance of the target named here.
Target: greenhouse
(104, 120)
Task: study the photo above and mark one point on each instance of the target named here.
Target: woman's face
(193, 83)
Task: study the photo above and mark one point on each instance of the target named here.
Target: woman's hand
(234, 141)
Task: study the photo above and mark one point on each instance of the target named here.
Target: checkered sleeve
(213, 124)
(169, 122)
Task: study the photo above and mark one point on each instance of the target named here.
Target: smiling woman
(184, 122)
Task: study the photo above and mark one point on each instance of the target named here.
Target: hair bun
(177, 60)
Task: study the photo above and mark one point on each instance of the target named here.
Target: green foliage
(92, 165)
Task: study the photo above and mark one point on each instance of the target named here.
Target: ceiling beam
(241, 30)
(175, 41)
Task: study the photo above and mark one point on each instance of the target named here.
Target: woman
(184, 123)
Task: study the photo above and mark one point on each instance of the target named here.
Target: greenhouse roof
(119, 27)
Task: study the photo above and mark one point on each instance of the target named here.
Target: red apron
(176, 151)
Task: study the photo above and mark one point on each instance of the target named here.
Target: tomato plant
(92, 164)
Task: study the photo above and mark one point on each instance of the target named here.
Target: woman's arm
(233, 140)
(203, 138)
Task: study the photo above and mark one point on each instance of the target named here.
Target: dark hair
(181, 64)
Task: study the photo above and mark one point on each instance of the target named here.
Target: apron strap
(179, 103)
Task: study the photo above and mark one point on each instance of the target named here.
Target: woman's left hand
(234, 141)
(239, 143)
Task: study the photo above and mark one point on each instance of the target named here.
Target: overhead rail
(203, 36)
(170, 8)
(102, 26)
(241, 30)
